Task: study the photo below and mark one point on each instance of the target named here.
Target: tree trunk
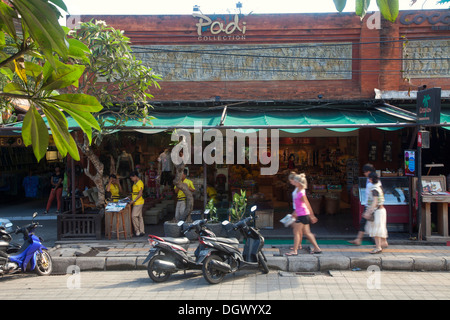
(183, 187)
(98, 177)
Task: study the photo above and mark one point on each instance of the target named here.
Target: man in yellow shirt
(181, 197)
(138, 204)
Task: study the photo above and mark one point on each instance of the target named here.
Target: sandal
(312, 251)
(289, 254)
(376, 251)
(355, 242)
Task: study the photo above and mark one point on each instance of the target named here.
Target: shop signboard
(429, 106)
(410, 163)
(6, 141)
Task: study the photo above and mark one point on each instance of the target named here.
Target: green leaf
(7, 72)
(33, 69)
(41, 19)
(389, 9)
(14, 88)
(63, 76)
(60, 3)
(59, 127)
(79, 107)
(6, 19)
(361, 7)
(340, 4)
(78, 50)
(34, 133)
(78, 101)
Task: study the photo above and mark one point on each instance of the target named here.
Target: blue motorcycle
(33, 255)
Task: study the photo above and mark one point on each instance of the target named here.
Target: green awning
(252, 119)
(445, 119)
(304, 120)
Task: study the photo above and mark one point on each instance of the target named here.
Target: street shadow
(15, 276)
(174, 279)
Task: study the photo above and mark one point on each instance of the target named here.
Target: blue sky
(208, 6)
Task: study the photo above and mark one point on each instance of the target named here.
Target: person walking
(367, 169)
(292, 182)
(304, 216)
(375, 214)
(137, 203)
(56, 182)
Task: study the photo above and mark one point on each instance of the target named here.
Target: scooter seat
(178, 241)
(232, 241)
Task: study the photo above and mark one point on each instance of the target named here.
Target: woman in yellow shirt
(114, 188)
(138, 204)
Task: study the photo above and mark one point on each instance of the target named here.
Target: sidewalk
(402, 254)
(129, 255)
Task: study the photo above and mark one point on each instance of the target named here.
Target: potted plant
(238, 207)
(237, 212)
(172, 229)
(213, 224)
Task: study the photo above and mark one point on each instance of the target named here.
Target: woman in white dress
(376, 215)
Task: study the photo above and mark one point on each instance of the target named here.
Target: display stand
(118, 221)
(396, 194)
(434, 191)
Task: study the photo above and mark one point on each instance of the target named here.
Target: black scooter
(221, 258)
(5, 242)
(170, 255)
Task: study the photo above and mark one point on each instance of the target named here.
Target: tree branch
(14, 56)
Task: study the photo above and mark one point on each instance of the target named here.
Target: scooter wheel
(153, 273)
(44, 263)
(213, 276)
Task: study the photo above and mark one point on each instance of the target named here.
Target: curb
(65, 265)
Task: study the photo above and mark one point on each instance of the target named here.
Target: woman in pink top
(304, 214)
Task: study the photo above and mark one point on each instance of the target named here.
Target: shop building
(326, 81)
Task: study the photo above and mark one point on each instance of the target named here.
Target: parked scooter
(221, 258)
(169, 255)
(5, 242)
(33, 254)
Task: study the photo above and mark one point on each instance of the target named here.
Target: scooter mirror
(180, 223)
(35, 215)
(253, 209)
(224, 223)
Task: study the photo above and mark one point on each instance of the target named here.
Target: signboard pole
(419, 190)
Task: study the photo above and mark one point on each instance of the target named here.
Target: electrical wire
(290, 57)
(173, 64)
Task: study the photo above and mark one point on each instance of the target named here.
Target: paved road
(136, 285)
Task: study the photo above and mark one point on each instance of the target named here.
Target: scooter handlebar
(242, 223)
(27, 229)
(192, 226)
